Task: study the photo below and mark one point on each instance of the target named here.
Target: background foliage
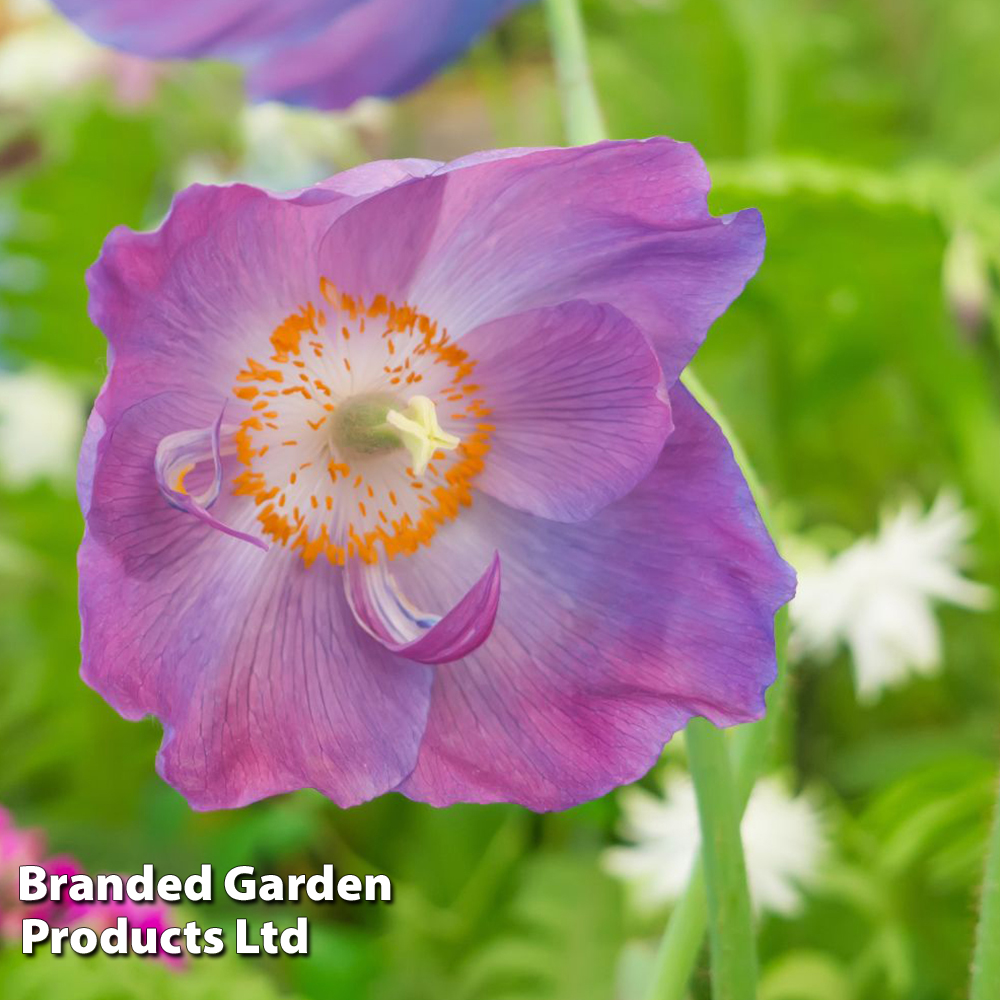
(854, 369)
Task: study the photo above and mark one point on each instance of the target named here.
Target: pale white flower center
(366, 429)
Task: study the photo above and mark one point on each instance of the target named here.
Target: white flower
(877, 596)
(783, 842)
(41, 424)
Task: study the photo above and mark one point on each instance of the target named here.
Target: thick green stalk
(986, 961)
(680, 945)
(753, 22)
(582, 116)
(717, 893)
(730, 922)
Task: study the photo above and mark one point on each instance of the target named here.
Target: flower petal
(179, 305)
(611, 635)
(254, 664)
(380, 48)
(197, 28)
(624, 223)
(323, 53)
(385, 613)
(178, 456)
(578, 407)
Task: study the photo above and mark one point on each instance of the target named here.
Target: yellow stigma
(421, 433)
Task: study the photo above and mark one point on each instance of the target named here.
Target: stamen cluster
(316, 493)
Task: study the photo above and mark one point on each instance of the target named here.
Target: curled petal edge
(177, 455)
(385, 613)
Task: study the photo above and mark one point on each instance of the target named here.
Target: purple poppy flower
(321, 53)
(392, 484)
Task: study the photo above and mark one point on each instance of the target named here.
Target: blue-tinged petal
(321, 53)
(611, 635)
(530, 282)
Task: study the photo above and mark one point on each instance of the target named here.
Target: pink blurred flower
(17, 847)
(154, 917)
(27, 847)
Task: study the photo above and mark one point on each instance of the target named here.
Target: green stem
(986, 960)
(680, 945)
(730, 926)
(753, 23)
(582, 116)
(716, 894)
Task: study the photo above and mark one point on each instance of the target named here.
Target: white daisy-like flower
(878, 596)
(41, 425)
(783, 842)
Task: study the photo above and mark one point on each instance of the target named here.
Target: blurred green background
(860, 368)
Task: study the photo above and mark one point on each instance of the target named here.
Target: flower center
(343, 455)
(370, 426)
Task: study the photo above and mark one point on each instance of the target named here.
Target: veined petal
(255, 665)
(612, 634)
(621, 223)
(177, 304)
(384, 612)
(578, 408)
